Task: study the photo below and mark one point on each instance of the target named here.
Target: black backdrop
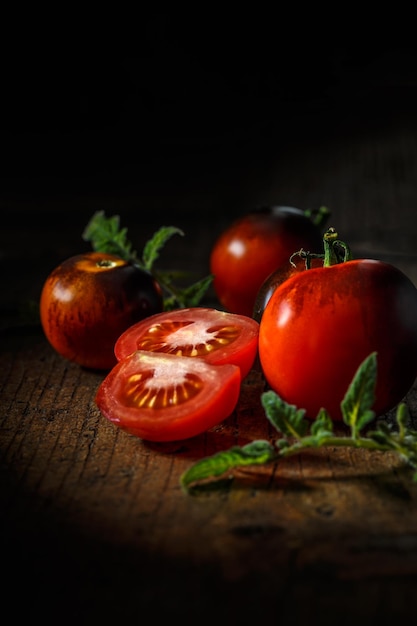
(74, 110)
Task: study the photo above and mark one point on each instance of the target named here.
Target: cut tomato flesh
(216, 336)
(165, 397)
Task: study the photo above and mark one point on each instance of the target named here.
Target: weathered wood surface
(95, 526)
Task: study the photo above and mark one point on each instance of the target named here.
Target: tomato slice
(162, 397)
(216, 336)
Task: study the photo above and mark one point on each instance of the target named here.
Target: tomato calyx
(106, 263)
(336, 251)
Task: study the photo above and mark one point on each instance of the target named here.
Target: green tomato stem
(333, 441)
(335, 251)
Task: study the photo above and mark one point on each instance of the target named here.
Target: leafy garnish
(299, 433)
(106, 235)
(318, 216)
(254, 453)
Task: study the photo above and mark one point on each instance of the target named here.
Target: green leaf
(318, 216)
(382, 436)
(105, 235)
(299, 434)
(192, 295)
(156, 243)
(257, 452)
(182, 297)
(322, 426)
(286, 418)
(358, 401)
(402, 416)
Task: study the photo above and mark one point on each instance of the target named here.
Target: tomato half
(255, 245)
(216, 336)
(162, 397)
(319, 325)
(89, 300)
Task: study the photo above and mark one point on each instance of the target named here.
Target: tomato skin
(319, 326)
(89, 300)
(252, 247)
(275, 279)
(216, 336)
(162, 397)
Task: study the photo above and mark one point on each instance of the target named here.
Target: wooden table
(95, 526)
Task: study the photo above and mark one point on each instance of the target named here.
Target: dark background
(186, 98)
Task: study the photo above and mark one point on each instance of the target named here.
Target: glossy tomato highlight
(319, 326)
(253, 247)
(216, 336)
(162, 397)
(89, 300)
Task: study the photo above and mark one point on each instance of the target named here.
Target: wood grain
(98, 517)
(95, 526)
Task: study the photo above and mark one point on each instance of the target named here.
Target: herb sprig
(299, 433)
(106, 235)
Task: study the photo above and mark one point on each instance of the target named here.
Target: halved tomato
(162, 397)
(215, 336)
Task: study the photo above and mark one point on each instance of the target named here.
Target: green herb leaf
(106, 235)
(299, 434)
(190, 296)
(286, 418)
(357, 404)
(322, 426)
(257, 452)
(318, 216)
(402, 416)
(156, 243)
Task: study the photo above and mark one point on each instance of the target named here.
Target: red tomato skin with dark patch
(162, 397)
(89, 300)
(253, 247)
(275, 279)
(216, 336)
(319, 325)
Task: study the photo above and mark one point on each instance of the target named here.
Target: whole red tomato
(320, 324)
(89, 300)
(253, 247)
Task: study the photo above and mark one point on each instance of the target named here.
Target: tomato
(89, 300)
(163, 397)
(320, 324)
(274, 280)
(254, 246)
(216, 336)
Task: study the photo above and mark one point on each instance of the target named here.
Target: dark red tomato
(276, 279)
(89, 300)
(254, 246)
(319, 326)
(216, 336)
(162, 397)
